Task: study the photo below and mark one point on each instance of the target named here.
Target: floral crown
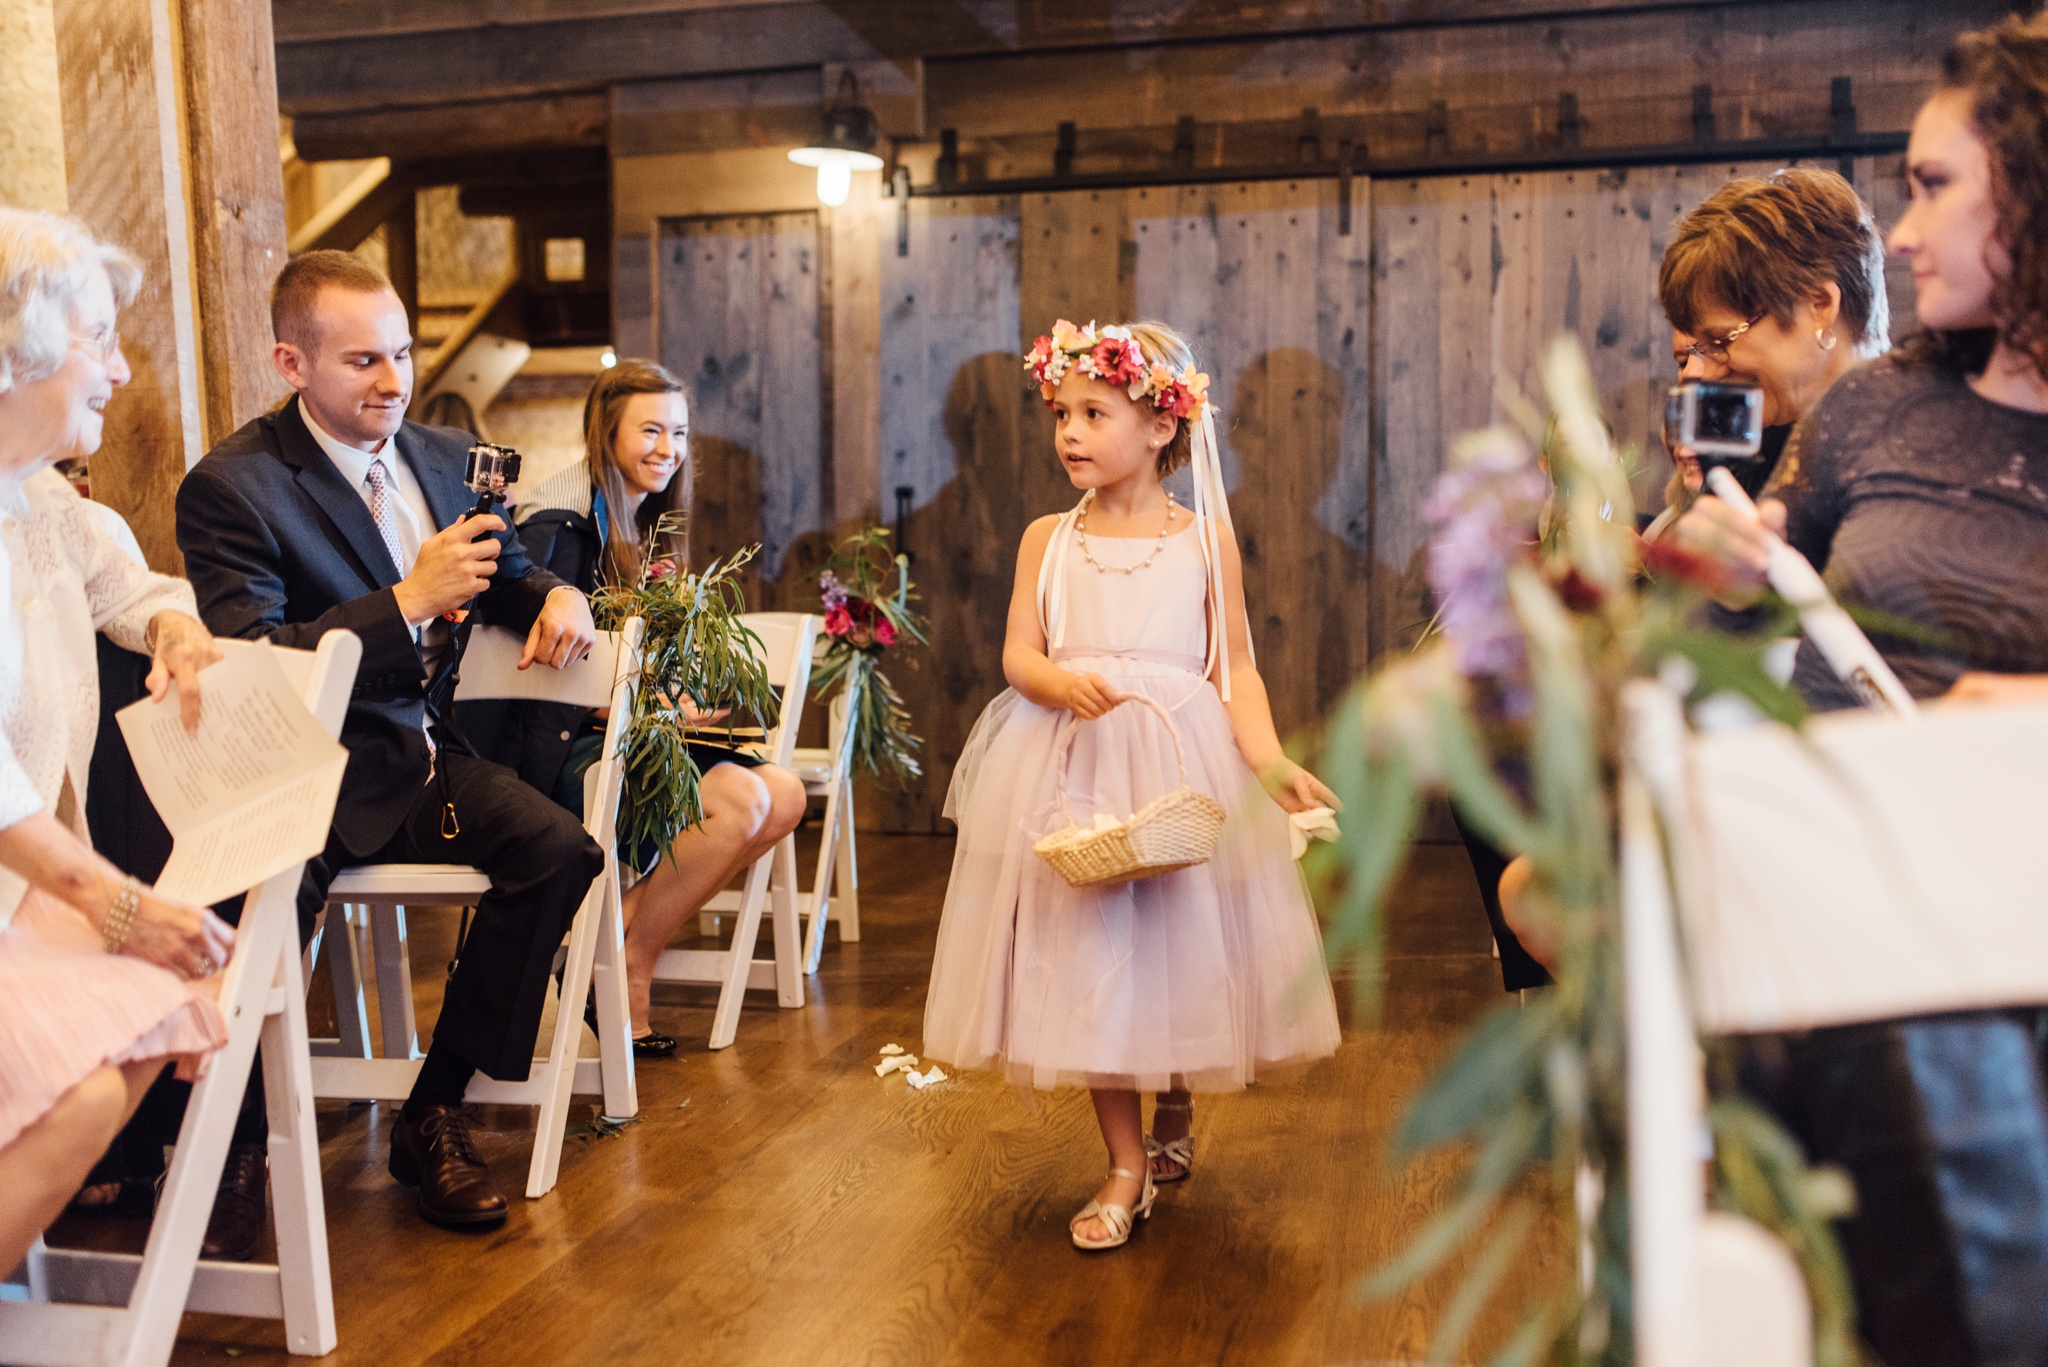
(1113, 356)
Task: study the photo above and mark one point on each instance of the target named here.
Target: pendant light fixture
(847, 144)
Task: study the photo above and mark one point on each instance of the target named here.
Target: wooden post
(856, 247)
(170, 142)
(237, 197)
(125, 171)
(31, 125)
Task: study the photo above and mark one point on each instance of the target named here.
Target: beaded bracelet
(121, 916)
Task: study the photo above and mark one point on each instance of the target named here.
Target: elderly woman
(1777, 283)
(101, 981)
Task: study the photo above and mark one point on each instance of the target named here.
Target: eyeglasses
(102, 346)
(1714, 349)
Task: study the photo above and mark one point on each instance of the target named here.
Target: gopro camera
(491, 469)
(1715, 419)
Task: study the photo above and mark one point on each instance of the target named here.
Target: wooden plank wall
(1343, 366)
(738, 320)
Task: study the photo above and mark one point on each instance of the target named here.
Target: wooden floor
(778, 1204)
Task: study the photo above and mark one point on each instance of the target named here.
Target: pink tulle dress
(1202, 978)
(66, 1005)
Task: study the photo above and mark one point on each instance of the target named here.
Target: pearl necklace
(1081, 535)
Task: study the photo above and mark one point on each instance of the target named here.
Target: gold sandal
(1180, 1152)
(1118, 1220)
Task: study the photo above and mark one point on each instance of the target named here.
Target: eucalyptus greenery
(1511, 708)
(694, 646)
(865, 617)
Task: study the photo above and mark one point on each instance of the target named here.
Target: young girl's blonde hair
(1164, 346)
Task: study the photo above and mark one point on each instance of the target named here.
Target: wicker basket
(1176, 831)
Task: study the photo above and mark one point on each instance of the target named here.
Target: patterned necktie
(381, 510)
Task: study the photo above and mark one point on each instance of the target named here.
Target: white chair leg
(849, 870)
(789, 938)
(345, 971)
(300, 1208)
(394, 981)
(614, 1020)
(732, 994)
(560, 1067)
(164, 1280)
(820, 896)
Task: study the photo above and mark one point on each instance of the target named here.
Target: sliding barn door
(737, 318)
(1343, 365)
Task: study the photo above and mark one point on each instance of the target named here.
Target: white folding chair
(788, 640)
(1871, 867)
(381, 894)
(90, 1309)
(826, 771)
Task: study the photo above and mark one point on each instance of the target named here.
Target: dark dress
(1916, 497)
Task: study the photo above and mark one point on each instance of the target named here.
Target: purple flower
(1482, 516)
(834, 592)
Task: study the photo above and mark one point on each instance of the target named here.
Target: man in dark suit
(335, 512)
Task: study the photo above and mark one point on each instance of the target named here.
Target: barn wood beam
(1450, 164)
(335, 67)
(363, 204)
(450, 350)
(442, 130)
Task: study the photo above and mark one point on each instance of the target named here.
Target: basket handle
(1065, 746)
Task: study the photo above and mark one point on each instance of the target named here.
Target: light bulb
(835, 181)
(608, 358)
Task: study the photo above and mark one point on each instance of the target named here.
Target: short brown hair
(297, 291)
(627, 539)
(1761, 246)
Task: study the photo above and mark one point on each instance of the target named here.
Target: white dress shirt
(410, 512)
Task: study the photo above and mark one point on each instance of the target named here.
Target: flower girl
(1188, 981)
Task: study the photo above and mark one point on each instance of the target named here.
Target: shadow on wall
(964, 544)
(1307, 591)
(726, 515)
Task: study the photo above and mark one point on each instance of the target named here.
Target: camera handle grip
(1833, 632)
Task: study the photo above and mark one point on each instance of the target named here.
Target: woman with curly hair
(1919, 486)
(1919, 483)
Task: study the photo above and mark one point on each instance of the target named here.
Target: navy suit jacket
(278, 544)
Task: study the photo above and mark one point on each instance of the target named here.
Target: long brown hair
(2004, 71)
(627, 538)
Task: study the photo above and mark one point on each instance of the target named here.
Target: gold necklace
(1081, 535)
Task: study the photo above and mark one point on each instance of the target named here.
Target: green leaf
(1499, 1064)
(1500, 1162)
(1478, 1286)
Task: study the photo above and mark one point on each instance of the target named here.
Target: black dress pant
(540, 862)
(1518, 969)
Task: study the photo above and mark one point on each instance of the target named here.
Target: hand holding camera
(455, 565)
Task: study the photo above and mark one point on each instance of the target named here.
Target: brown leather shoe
(236, 1225)
(437, 1156)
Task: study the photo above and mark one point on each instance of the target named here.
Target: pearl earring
(1825, 338)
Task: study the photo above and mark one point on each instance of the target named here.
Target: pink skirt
(67, 1007)
(1205, 978)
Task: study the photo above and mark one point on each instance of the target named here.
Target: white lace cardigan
(64, 576)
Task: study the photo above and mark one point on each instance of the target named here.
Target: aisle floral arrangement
(1550, 604)
(865, 619)
(695, 646)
